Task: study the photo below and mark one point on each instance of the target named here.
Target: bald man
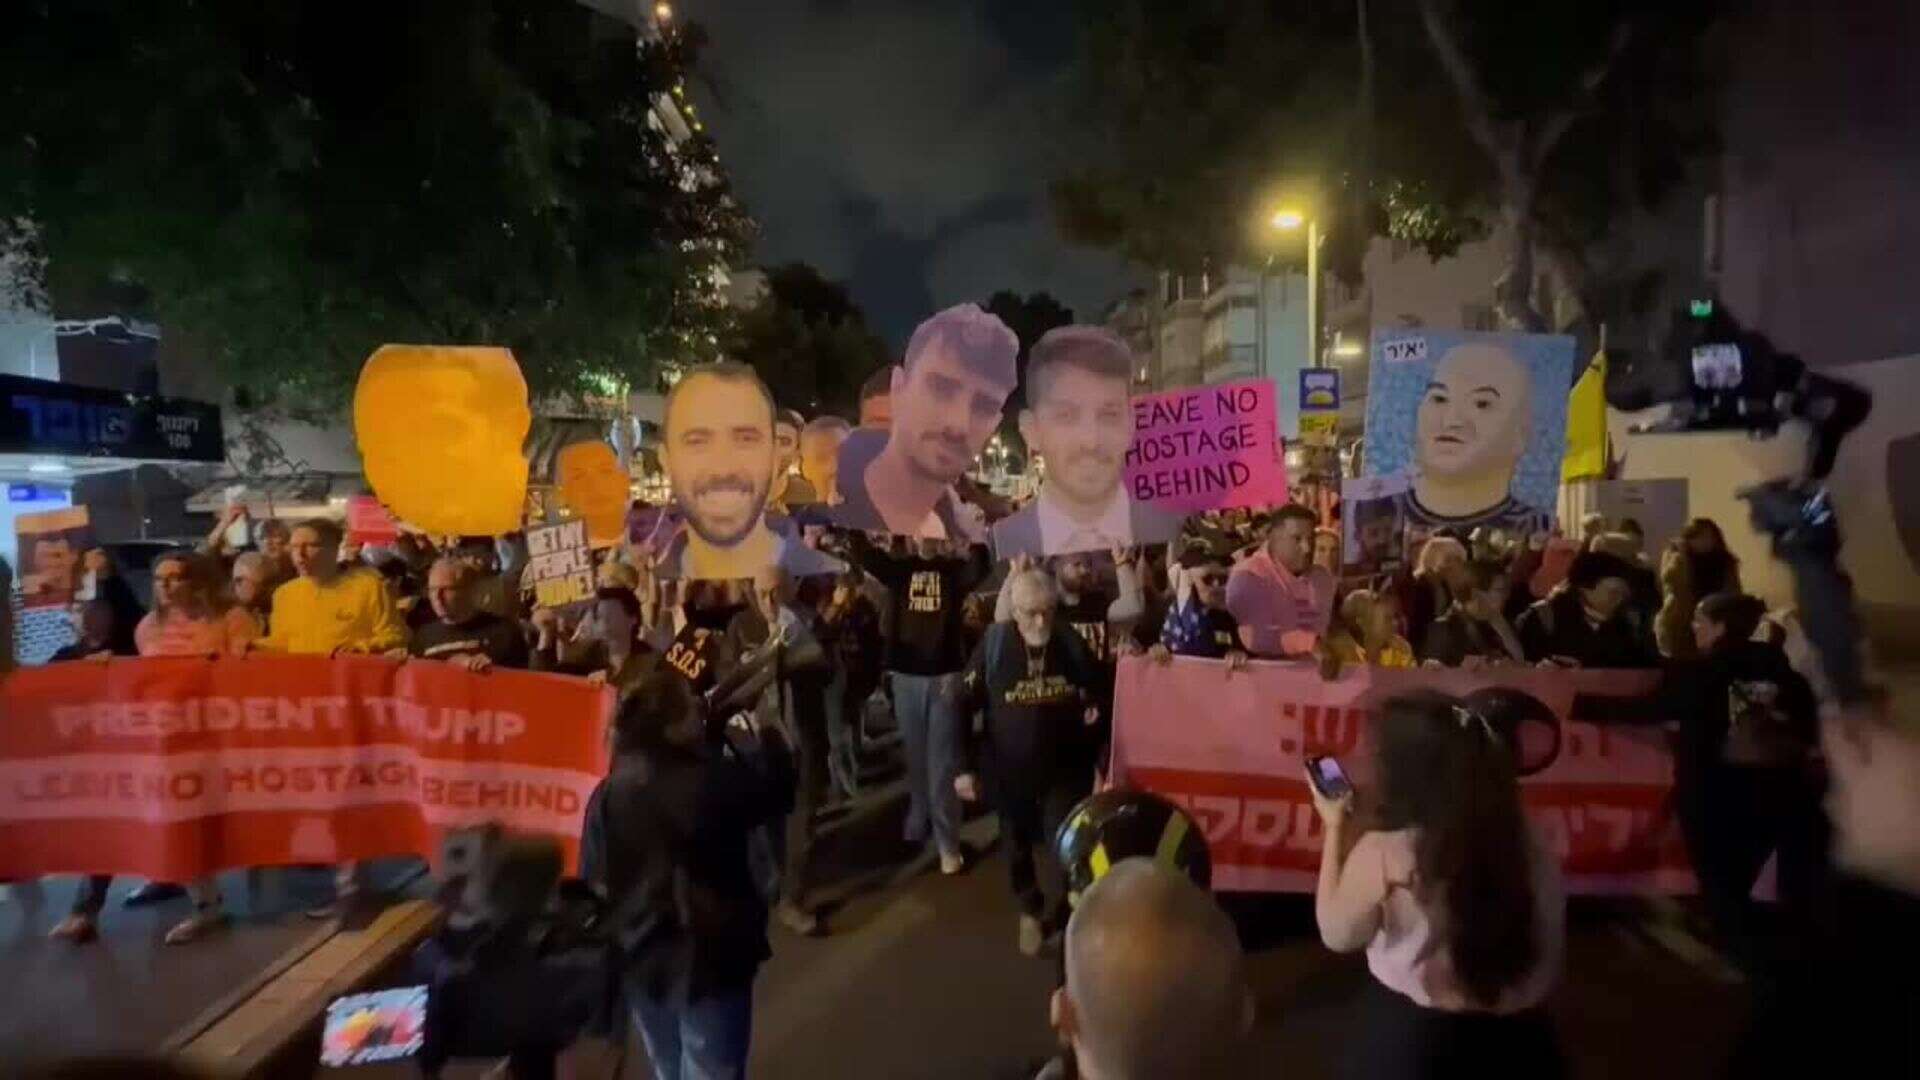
(1470, 431)
(1040, 688)
(1156, 983)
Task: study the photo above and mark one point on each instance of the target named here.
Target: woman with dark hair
(1588, 621)
(1697, 564)
(1475, 632)
(1744, 781)
(609, 644)
(1457, 905)
(110, 584)
(1439, 577)
(665, 836)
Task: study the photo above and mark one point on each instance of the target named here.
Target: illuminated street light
(663, 11)
(1347, 350)
(1288, 219)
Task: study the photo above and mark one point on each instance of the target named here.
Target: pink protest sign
(1207, 448)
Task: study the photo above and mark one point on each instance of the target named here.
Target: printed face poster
(719, 454)
(1207, 448)
(51, 544)
(1081, 428)
(1474, 424)
(1373, 519)
(947, 398)
(560, 564)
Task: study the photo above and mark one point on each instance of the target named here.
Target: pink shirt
(181, 636)
(1375, 905)
(1280, 613)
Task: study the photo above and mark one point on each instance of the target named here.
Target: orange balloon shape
(593, 485)
(440, 429)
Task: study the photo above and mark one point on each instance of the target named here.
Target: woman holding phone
(1457, 905)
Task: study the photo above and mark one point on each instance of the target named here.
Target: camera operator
(666, 836)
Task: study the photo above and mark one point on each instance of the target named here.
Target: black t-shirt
(486, 633)
(928, 595)
(1087, 614)
(695, 654)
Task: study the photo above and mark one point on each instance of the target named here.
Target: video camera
(1719, 376)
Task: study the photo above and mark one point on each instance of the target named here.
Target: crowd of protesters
(999, 681)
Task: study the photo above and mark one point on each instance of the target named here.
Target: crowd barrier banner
(1237, 763)
(175, 767)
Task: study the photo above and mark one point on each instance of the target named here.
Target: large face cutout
(943, 414)
(593, 485)
(440, 430)
(1472, 420)
(719, 455)
(1081, 426)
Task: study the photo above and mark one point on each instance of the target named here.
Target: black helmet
(1115, 825)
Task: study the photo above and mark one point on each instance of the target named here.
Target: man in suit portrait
(1079, 423)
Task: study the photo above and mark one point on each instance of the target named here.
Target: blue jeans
(705, 1039)
(926, 708)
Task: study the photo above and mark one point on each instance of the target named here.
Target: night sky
(902, 146)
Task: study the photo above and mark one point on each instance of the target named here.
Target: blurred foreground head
(1874, 801)
(1156, 984)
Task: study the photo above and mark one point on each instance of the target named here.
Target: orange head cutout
(440, 429)
(593, 485)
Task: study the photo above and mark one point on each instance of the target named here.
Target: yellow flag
(1587, 424)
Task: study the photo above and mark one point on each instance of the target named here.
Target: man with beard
(1039, 687)
(719, 454)
(946, 399)
(1079, 422)
(790, 489)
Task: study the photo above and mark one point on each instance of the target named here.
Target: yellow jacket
(353, 613)
(1395, 654)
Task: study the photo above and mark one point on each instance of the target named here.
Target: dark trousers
(92, 895)
(809, 795)
(1399, 1040)
(1732, 820)
(1030, 813)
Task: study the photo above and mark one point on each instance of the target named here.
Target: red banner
(173, 768)
(1232, 749)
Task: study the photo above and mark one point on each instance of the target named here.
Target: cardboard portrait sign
(947, 399)
(594, 486)
(1079, 425)
(440, 429)
(719, 453)
(51, 544)
(1475, 424)
(368, 523)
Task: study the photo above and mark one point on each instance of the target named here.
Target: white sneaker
(952, 862)
(1031, 936)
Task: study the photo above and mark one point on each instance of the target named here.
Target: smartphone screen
(383, 1025)
(1716, 367)
(1329, 777)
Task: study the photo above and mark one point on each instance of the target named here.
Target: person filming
(1456, 903)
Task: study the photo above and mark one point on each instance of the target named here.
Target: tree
(1558, 120)
(809, 341)
(289, 185)
(1029, 318)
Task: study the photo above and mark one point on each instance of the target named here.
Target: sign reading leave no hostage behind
(1207, 448)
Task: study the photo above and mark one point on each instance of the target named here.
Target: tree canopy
(1428, 121)
(1029, 317)
(809, 341)
(289, 185)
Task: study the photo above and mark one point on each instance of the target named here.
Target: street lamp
(663, 11)
(1287, 219)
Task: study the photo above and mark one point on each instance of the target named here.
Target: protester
(1592, 525)
(1588, 621)
(274, 539)
(609, 643)
(252, 608)
(330, 609)
(461, 633)
(1643, 585)
(1199, 624)
(1743, 778)
(876, 400)
(97, 637)
(1874, 756)
(924, 657)
(1696, 564)
(1457, 905)
(110, 584)
(666, 837)
(850, 629)
(1365, 634)
(791, 489)
(1439, 575)
(1281, 600)
(1156, 984)
(796, 701)
(1326, 550)
(820, 455)
(1475, 631)
(1039, 686)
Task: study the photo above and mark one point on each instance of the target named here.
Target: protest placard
(1207, 447)
(1603, 804)
(369, 523)
(50, 544)
(177, 767)
(560, 563)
